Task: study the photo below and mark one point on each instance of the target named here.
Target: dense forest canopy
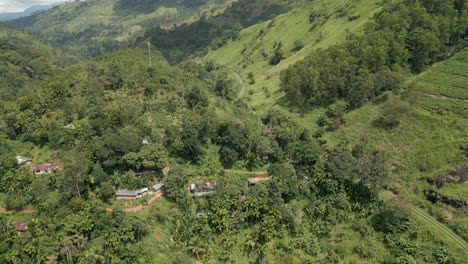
(346, 179)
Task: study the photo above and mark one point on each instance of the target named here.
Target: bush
(298, 45)
(393, 111)
(391, 219)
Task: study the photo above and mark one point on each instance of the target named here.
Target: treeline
(405, 37)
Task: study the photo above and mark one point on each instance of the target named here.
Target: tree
(75, 173)
(373, 171)
(152, 156)
(7, 163)
(342, 164)
(106, 191)
(391, 219)
(197, 97)
(285, 181)
(393, 111)
(175, 185)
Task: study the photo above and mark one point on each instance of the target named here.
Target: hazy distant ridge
(27, 12)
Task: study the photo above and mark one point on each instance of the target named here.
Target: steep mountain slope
(23, 59)
(431, 136)
(318, 25)
(195, 39)
(429, 142)
(92, 26)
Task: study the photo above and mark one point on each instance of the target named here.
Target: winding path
(423, 215)
(27, 210)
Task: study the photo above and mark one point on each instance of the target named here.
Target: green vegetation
(291, 128)
(23, 59)
(89, 28)
(190, 40)
(444, 85)
(317, 25)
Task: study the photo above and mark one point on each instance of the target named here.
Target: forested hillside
(322, 131)
(23, 59)
(195, 39)
(92, 27)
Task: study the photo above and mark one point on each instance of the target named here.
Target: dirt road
(4, 210)
(426, 217)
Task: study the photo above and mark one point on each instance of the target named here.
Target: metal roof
(126, 193)
(158, 186)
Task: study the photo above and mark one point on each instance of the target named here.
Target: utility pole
(149, 53)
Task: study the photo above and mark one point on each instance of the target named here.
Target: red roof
(46, 167)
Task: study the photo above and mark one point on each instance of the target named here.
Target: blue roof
(192, 186)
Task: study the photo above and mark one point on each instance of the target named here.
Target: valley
(324, 131)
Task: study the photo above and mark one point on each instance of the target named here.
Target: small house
(145, 141)
(130, 194)
(202, 188)
(257, 179)
(23, 160)
(158, 187)
(45, 168)
(70, 126)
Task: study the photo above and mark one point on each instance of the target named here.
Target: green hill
(431, 137)
(430, 140)
(318, 25)
(349, 114)
(24, 59)
(90, 27)
(210, 32)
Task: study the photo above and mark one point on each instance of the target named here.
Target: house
(158, 187)
(70, 126)
(144, 173)
(20, 227)
(45, 168)
(204, 214)
(130, 194)
(257, 179)
(145, 141)
(23, 160)
(166, 171)
(202, 188)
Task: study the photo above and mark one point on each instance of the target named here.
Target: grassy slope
(245, 54)
(428, 141)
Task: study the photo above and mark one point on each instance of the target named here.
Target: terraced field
(445, 86)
